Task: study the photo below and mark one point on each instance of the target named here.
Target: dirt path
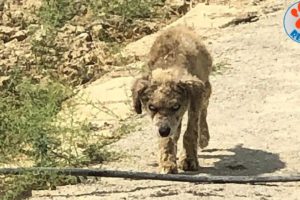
(254, 120)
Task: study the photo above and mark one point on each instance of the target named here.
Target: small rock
(19, 53)
(83, 10)
(6, 18)
(79, 30)
(4, 37)
(17, 15)
(74, 54)
(84, 36)
(7, 30)
(89, 59)
(1, 5)
(3, 79)
(69, 29)
(96, 30)
(6, 33)
(20, 35)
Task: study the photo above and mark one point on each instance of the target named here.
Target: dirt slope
(254, 120)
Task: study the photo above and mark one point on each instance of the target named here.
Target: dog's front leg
(188, 160)
(167, 160)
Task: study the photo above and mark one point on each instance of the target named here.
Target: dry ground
(254, 120)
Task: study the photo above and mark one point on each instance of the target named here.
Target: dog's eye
(152, 108)
(175, 107)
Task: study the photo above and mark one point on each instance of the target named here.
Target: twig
(249, 17)
(152, 176)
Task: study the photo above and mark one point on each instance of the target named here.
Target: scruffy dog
(177, 81)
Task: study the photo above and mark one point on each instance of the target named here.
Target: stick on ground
(152, 176)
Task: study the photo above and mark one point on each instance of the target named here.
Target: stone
(1, 5)
(20, 35)
(79, 30)
(84, 36)
(3, 79)
(7, 30)
(96, 30)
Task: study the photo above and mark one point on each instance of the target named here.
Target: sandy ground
(254, 120)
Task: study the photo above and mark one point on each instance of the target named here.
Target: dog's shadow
(238, 161)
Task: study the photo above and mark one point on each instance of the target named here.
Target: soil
(254, 114)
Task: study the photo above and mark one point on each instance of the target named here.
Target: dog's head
(165, 97)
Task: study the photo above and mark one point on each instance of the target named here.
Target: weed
(122, 19)
(20, 187)
(26, 117)
(47, 52)
(55, 13)
(218, 68)
(127, 9)
(31, 131)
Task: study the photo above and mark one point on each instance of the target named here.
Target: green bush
(27, 114)
(31, 132)
(128, 9)
(56, 12)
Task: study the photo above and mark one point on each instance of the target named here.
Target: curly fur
(178, 81)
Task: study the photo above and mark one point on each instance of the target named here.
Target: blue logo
(291, 22)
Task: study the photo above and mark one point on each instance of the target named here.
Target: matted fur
(177, 81)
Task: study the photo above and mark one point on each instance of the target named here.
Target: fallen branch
(151, 176)
(248, 18)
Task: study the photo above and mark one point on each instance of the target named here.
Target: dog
(177, 80)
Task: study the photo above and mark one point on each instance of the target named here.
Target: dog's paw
(203, 142)
(168, 168)
(188, 164)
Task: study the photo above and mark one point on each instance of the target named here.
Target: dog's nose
(164, 131)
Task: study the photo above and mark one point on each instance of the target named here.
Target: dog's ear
(193, 87)
(137, 90)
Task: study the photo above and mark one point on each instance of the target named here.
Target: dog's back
(180, 47)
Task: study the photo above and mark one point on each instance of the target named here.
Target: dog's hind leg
(204, 132)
